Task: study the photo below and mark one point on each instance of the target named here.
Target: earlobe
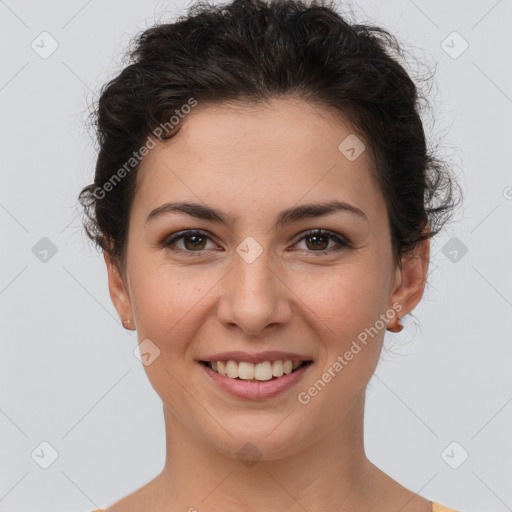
(118, 292)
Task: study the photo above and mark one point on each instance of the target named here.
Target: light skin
(252, 162)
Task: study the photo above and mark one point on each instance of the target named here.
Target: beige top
(439, 508)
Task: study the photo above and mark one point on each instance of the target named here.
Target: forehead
(283, 151)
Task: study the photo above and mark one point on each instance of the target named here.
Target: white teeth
(261, 371)
(221, 369)
(232, 369)
(246, 370)
(277, 368)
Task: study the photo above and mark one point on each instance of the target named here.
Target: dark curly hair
(252, 51)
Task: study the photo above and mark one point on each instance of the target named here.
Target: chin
(252, 439)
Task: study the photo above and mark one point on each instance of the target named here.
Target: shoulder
(436, 507)
(140, 499)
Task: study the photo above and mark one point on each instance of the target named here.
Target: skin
(252, 162)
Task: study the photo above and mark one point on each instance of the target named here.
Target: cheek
(347, 299)
(167, 308)
(348, 305)
(168, 302)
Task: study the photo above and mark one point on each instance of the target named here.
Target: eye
(194, 241)
(316, 240)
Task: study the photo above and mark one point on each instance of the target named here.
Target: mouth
(256, 372)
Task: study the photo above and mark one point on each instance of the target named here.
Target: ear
(411, 278)
(118, 291)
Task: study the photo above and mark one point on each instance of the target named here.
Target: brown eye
(318, 241)
(193, 241)
(315, 241)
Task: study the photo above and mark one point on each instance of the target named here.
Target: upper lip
(257, 357)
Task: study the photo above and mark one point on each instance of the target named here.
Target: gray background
(68, 375)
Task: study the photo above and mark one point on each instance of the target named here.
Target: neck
(331, 473)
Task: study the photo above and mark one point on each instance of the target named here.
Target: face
(253, 284)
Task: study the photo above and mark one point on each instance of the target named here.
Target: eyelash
(342, 242)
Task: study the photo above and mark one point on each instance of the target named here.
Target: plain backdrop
(74, 398)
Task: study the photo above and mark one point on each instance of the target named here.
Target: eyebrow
(289, 216)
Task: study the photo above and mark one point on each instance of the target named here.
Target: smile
(258, 380)
(247, 371)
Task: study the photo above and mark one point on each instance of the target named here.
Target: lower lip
(256, 390)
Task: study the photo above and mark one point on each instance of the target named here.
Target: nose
(254, 296)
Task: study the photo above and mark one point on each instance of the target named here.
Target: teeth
(232, 369)
(277, 368)
(261, 371)
(246, 370)
(221, 368)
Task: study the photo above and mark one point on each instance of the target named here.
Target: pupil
(316, 237)
(195, 237)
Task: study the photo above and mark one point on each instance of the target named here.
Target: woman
(264, 200)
